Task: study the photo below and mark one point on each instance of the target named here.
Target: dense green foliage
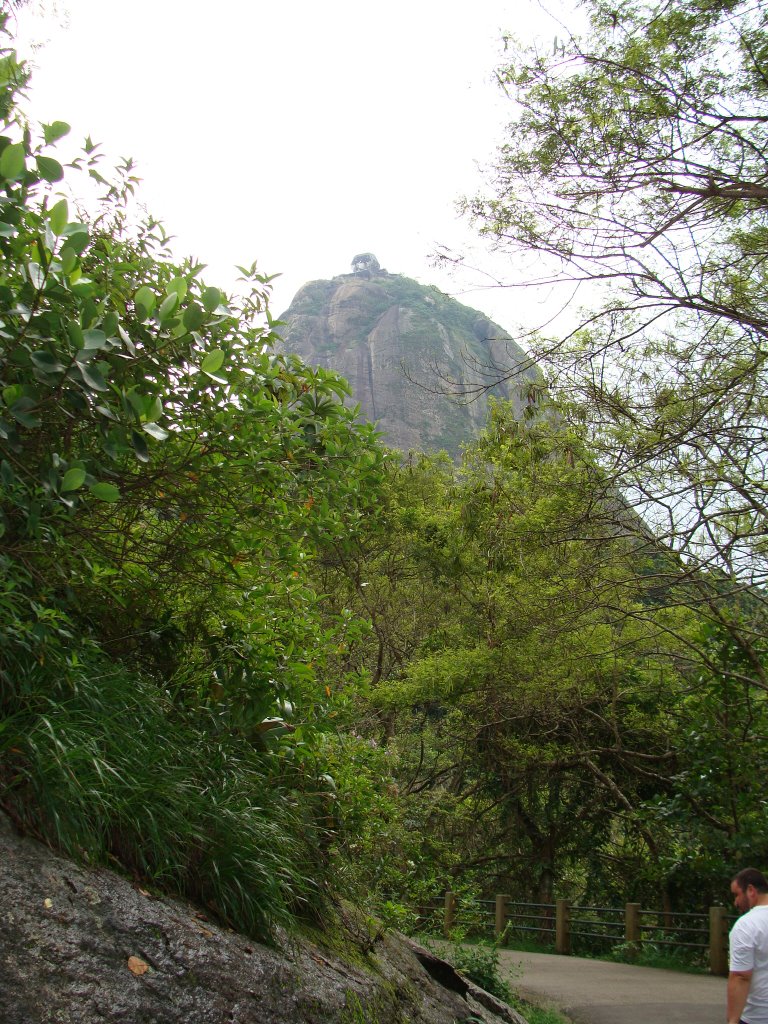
(636, 161)
(545, 721)
(163, 481)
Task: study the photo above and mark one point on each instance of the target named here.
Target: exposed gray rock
(416, 360)
(81, 946)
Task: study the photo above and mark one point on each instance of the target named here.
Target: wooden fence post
(632, 922)
(501, 915)
(450, 913)
(718, 952)
(563, 926)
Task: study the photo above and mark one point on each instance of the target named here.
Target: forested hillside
(249, 657)
(550, 717)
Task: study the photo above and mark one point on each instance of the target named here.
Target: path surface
(596, 992)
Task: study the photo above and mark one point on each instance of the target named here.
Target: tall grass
(96, 760)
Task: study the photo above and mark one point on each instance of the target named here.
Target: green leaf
(94, 339)
(136, 402)
(178, 286)
(156, 431)
(10, 70)
(104, 410)
(139, 446)
(77, 236)
(57, 216)
(12, 161)
(194, 317)
(21, 412)
(73, 479)
(93, 378)
(125, 337)
(146, 298)
(12, 393)
(83, 287)
(35, 275)
(110, 324)
(212, 298)
(49, 169)
(212, 361)
(155, 411)
(105, 492)
(68, 258)
(46, 362)
(55, 131)
(168, 306)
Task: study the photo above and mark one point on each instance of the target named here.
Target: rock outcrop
(416, 360)
(81, 946)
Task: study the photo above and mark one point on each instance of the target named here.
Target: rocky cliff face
(413, 356)
(81, 946)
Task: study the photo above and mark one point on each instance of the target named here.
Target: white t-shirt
(749, 952)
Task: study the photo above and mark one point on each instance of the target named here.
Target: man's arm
(738, 990)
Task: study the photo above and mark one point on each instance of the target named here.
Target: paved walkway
(596, 992)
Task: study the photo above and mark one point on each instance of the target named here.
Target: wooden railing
(564, 924)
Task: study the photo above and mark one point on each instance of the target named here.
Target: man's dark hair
(751, 876)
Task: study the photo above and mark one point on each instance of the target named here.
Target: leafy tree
(635, 167)
(524, 697)
(715, 810)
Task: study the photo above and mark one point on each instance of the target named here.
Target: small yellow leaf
(47, 903)
(137, 966)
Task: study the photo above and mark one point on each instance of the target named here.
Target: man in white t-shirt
(748, 978)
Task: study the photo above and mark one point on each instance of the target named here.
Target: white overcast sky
(293, 132)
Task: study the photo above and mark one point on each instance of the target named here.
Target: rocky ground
(80, 946)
